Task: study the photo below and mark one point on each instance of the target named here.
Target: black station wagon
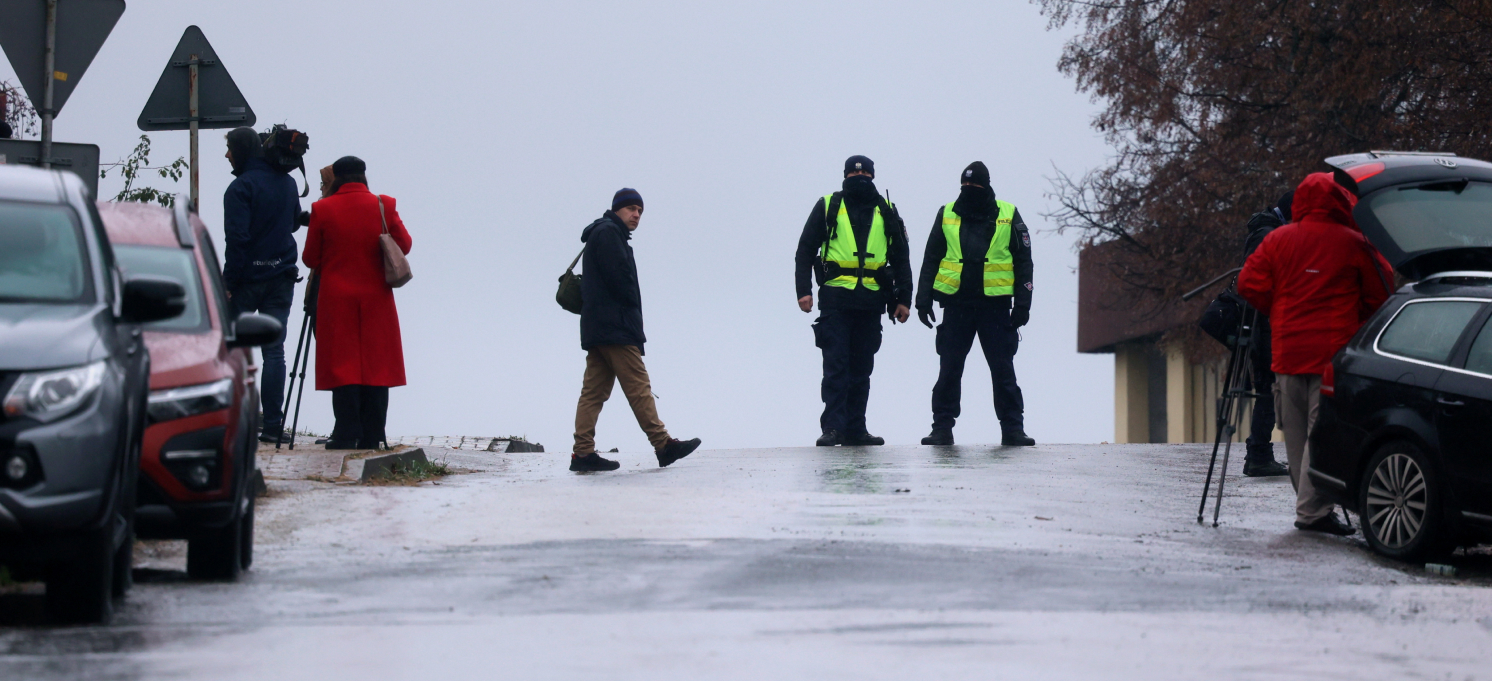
(1404, 433)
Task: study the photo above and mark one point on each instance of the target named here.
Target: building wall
(1188, 396)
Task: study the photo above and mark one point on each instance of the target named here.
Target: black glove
(1019, 316)
(925, 314)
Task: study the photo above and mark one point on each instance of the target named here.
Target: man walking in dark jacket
(978, 266)
(259, 217)
(611, 334)
(855, 245)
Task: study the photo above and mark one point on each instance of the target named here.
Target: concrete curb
(375, 466)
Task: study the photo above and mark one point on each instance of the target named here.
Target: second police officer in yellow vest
(855, 245)
(978, 266)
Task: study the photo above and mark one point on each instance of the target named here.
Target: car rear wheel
(217, 553)
(1399, 502)
(81, 590)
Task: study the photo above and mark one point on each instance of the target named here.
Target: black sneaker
(939, 436)
(274, 438)
(1017, 439)
(341, 444)
(675, 449)
(1268, 468)
(863, 440)
(830, 438)
(1329, 525)
(592, 462)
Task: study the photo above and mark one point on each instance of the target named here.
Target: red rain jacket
(357, 325)
(1317, 278)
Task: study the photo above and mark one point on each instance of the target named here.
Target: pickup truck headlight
(175, 403)
(50, 395)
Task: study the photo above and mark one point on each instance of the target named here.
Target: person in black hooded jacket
(260, 209)
(611, 334)
(856, 285)
(1259, 461)
(977, 299)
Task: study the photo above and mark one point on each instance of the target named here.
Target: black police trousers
(998, 339)
(849, 340)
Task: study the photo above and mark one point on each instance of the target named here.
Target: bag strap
(571, 268)
(381, 218)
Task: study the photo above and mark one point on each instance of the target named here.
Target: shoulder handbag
(568, 296)
(395, 266)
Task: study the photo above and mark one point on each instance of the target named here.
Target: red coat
(357, 325)
(1315, 278)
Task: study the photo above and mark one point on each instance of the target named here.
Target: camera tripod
(299, 364)
(1235, 394)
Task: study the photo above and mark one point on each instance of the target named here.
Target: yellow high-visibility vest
(839, 248)
(999, 267)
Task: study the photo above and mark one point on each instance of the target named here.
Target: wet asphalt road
(1059, 561)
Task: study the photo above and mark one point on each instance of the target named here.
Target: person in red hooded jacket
(1318, 279)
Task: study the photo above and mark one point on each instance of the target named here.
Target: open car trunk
(1427, 213)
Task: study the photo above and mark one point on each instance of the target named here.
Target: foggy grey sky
(504, 128)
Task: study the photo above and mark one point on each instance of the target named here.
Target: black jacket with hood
(259, 211)
(974, 236)
(611, 313)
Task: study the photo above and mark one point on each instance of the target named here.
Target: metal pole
(192, 96)
(49, 62)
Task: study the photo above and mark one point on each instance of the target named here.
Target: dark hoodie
(611, 313)
(1318, 279)
(259, 212)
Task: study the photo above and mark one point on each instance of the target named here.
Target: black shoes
(341, 444)
(940, 437)
(1268, 468)
(863, 440)
(592, 462)
(673, 451)
(1329, 525)
(1015, 439)
(280, 437)
(832, 437)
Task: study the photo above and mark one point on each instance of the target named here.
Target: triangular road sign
(82, 27)
(219, 103)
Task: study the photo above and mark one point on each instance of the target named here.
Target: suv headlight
(50, 395)
(175, 403)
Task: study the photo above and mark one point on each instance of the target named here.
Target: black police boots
(830, 438)
(1016, 439)
(675, 449)
(863, 440)
(592, 462)
(939, 436)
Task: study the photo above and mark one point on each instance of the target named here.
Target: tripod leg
(306, 362)
(1206, 487)
(299, 345)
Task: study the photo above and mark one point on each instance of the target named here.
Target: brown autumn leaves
(1214, 109)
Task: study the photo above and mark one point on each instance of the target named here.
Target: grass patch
(411, 473)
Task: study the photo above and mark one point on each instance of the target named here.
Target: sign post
(196, 84)
(50, 59)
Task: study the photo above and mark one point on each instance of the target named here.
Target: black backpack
(285, 150)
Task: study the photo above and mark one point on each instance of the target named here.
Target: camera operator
(1259, 461)
(1319, 279)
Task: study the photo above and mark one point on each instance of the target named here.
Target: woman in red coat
(358, 352)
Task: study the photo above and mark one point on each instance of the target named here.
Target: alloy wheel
(1397, 500)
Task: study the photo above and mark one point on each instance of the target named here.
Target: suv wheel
(1399, 502)
(217, 553)
(81, 590)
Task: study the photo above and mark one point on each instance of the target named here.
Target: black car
(75, 379)
(1404, 433)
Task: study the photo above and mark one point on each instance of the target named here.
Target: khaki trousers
(1297, 398)
(606, 365)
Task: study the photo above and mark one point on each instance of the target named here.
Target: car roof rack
(1463, 274)
(1380, 153)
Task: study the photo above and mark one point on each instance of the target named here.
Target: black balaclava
(244, 144)
(976, 197)
(860, 187)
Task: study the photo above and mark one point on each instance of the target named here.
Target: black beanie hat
(975, 173)
(349, 165)
(626, 196)
(858, 162)
(1284, 205)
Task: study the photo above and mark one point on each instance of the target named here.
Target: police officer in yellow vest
(855, 245)
(978, 265)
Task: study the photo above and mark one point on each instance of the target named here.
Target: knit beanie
(626, 196)
(349, 165)
(976, 173)
(857, 162)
